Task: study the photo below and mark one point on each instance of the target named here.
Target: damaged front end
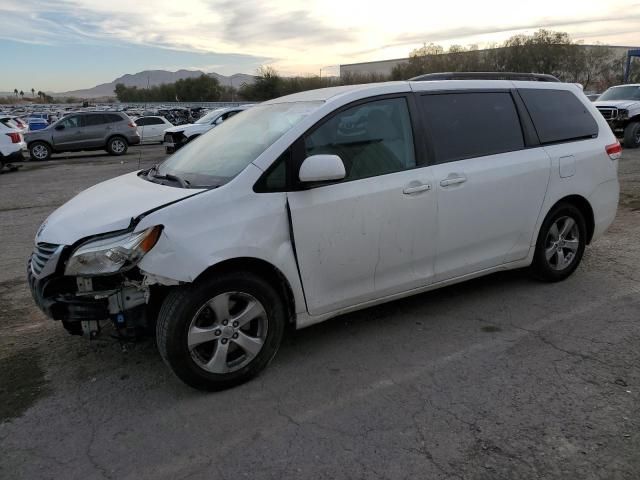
(96, 282)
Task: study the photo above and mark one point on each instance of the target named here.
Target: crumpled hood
(178, 128)
(191, 129)
(106, 207)
(617, 103)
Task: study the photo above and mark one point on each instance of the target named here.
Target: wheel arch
(114, 135)
(40, 140)
(585, 208)
(262, 268)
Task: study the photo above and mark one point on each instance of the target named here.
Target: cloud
(299, 36)
(254, 21)
(462, 32)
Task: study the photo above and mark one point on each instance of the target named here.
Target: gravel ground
(498, 378)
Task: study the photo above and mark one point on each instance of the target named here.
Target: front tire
(39, 151)
(561, 243)
(632, 135)
(222, 331)
(117, 146)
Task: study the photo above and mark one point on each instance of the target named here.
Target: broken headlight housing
(112, 254)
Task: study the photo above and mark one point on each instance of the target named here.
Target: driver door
(371, 234)
(72, 133)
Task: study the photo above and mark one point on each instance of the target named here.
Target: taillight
(132, 124)
(15, 137)
(614, 151)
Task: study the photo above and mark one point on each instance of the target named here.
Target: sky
(61, 45)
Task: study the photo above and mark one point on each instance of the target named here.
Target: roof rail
(536, 77)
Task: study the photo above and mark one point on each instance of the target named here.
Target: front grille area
(41, 255)
(168, 138)
(609, 113)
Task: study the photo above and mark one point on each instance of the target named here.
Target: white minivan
(323, 202)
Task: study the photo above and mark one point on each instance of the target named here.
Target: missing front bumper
(81, 309)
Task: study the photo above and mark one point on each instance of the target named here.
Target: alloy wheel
(227, 332)
(562, 243)
(117, 146)
(40, 152)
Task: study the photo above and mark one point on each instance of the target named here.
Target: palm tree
(40, 94)
(33, 92)
(15, 92)
(21, 94)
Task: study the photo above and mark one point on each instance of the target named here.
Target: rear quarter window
(558, 115)
(113, 117)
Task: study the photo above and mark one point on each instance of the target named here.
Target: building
(384, 67)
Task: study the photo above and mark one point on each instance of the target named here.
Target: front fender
(227, 223)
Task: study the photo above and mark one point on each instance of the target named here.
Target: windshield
(221, 154)
(621, 93)
(209, 116)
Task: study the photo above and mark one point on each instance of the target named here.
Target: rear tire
(237, 317)
(117, 146)
(39, 151)
(561, 243)
(632, 135)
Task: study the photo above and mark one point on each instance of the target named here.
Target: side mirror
(59, 127)
(321, 168)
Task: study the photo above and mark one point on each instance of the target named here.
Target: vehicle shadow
(405, 312)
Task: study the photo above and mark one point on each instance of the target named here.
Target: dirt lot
(498, 378)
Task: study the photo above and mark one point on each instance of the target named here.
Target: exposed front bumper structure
(78, 301)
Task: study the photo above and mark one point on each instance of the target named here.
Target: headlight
(113, 254)
(623, 114)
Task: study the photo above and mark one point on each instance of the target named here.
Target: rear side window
(113, 117)
(141, 122)
(154, 121)
(558, 115)
(93, 120)
(472, 124)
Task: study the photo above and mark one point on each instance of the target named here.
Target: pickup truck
(620, 106)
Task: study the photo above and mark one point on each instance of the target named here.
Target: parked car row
(113, 132)
(177, 137)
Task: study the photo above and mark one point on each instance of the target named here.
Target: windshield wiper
(168, 176)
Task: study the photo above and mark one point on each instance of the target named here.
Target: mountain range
(152, 78)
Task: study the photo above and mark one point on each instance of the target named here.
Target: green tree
(268, 85)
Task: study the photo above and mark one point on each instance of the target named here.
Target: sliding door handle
(425, 187)
(453, 180)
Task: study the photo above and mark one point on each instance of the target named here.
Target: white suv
(12, 144)
(324, 202)
(178, 136)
